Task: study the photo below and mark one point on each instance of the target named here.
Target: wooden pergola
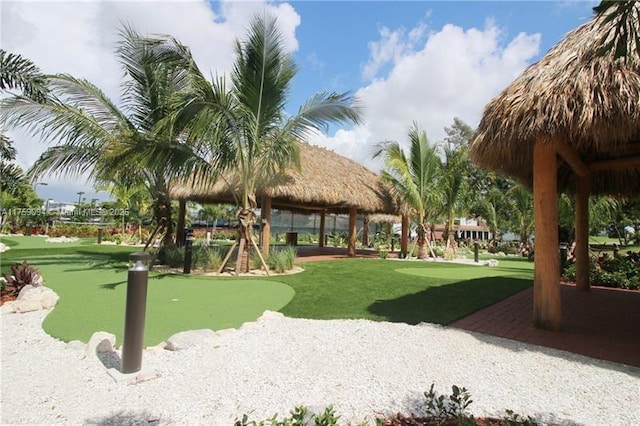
(325, 182)
(570, 123)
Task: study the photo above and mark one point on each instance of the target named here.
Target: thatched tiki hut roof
(570, 122)
(325, 182)
(574, 95)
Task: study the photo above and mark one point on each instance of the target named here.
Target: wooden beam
(353, 215)
(182, 212)
(546, 281)
(583, 188)
(615, 164)
(321, 232)
(266, 225)
(571, 157)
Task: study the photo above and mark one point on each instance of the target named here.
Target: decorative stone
(76, 346)
(27, 305)
(248, 325)
(100, 342)
(270, 315)
(225, 331)
(157, 348)
(48, 298)
(8, 307)
(190, 338)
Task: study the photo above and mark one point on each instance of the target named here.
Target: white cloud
(453, 74)
(391, 47)
(79, 38)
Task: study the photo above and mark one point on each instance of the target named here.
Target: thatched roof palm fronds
(580, 93)
(324, 180)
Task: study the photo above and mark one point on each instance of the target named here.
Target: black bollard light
(135, 313)
(99, 235)
(563, 257)
(188, 251)
(475, 252)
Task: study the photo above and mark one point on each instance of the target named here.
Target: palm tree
(17, 72)
(522, 209)
(97, 137)
(244, 129)
(413, 179)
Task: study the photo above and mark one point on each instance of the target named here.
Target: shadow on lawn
(448, 301)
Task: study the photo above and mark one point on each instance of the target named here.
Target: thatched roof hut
(573, 97)
(325, 181)
(570, 122)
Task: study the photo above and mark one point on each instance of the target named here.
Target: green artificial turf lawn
(93, 296)
(373, 289)
(35, 242)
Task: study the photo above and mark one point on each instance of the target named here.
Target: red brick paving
(602, 323)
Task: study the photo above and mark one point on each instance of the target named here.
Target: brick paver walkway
(602, 323)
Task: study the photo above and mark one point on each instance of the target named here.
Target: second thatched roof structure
(325, 181)
(574, 95)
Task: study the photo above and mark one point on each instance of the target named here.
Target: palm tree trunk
(246, 217)
(422, 242)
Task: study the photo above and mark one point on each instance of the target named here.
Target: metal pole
(135, 313)
(475, 252)
(188, 251)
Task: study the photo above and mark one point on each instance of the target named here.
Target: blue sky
(424, 61)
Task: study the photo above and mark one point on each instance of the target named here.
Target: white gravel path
(363, 368)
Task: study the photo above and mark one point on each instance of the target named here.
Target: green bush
(282, 259)
(207, 258)
(440, 409)
(607, 271)
(172, 256)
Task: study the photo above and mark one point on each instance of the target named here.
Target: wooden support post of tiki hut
(546, 282)
(321, 231)
(353, 215)
(404, 239)
(266, 225)
(365, 230)
(182, 212)
(581, 253)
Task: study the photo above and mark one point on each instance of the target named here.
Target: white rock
(8, 307)
(29, 292)
(157, 348)
(48, 298)
(224, 331)
(270, 315)
(190, 338)
(27, 305)
(100, 341)
(76, 346)
(248, 325)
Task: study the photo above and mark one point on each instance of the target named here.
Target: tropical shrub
(21, 275)
(440, 410)
(172, 256)
(282, 259)
(606, 271)
(207, 258)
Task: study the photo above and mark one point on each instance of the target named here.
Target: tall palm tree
(244, 129)
(96, 136)
(414, 178)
